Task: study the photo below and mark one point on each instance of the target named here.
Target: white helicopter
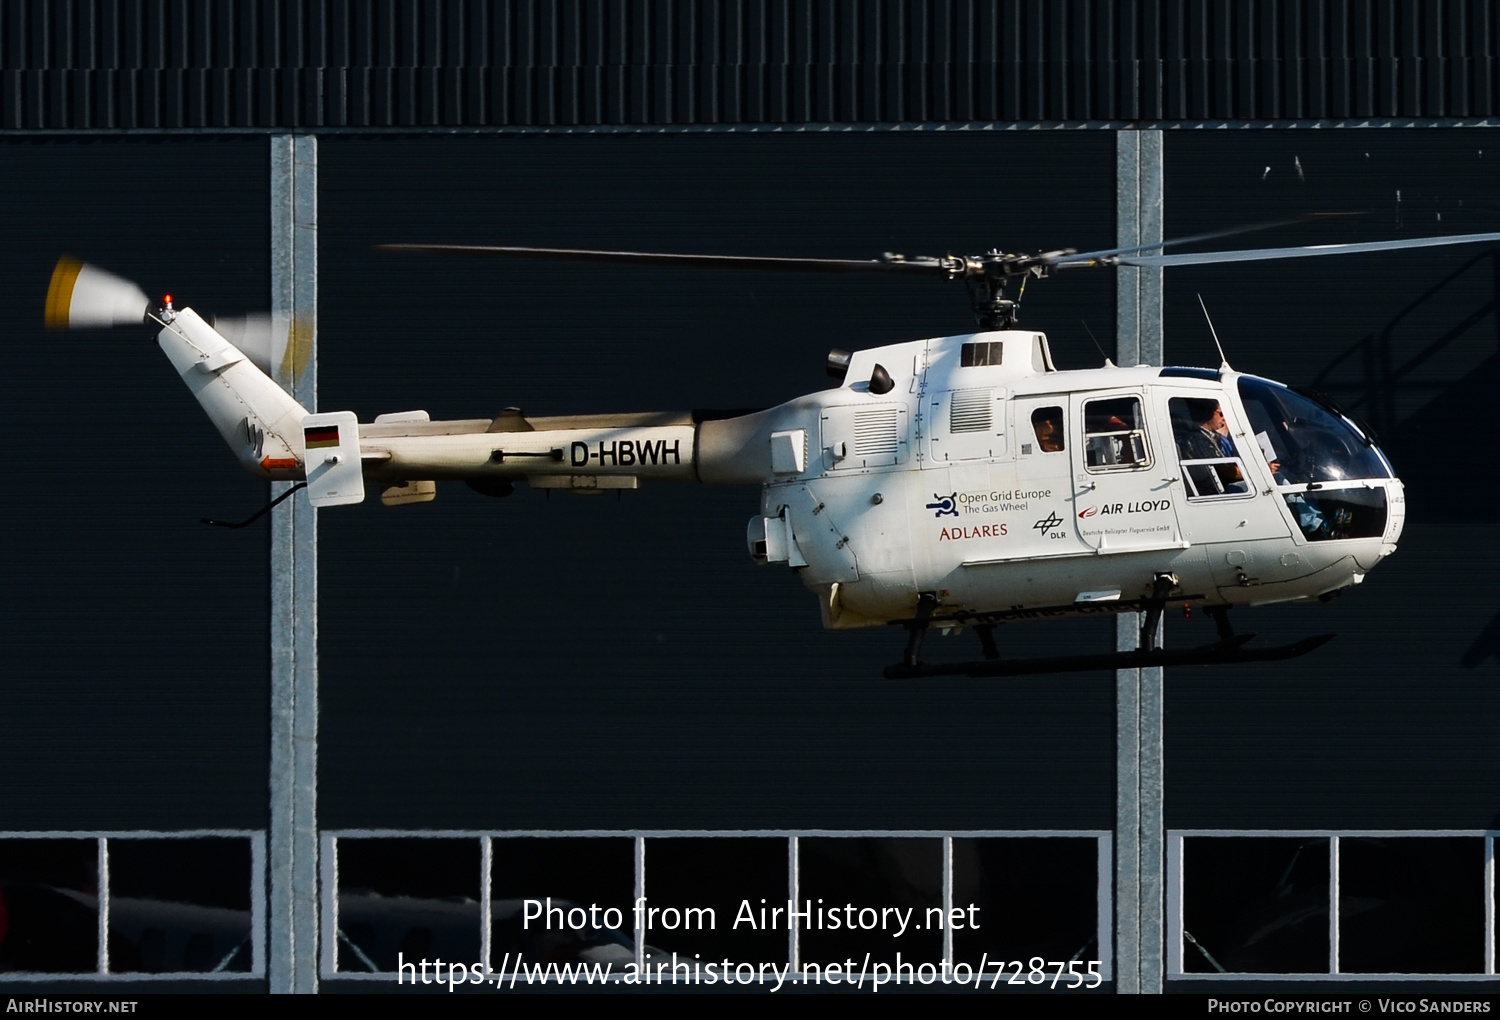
(950, 482)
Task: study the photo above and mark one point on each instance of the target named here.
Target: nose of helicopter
(1395, 520)
(1368, 552)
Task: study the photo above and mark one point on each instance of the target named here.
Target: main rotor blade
(1084, 258)
(1306, 251)
(894, 264)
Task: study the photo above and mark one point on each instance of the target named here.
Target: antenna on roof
(1096, 341)
(1224, 362)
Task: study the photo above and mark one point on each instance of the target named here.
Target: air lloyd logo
(1145, 506)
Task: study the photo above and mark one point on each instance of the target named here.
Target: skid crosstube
(1217, 654)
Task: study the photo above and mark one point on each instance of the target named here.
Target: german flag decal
(321, 436)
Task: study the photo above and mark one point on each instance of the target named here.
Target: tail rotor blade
(255, 335)
(82, 296)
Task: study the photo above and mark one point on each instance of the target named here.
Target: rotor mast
(988, 278)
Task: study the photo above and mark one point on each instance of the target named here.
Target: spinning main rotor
(987, 275)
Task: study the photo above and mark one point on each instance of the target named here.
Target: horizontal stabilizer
(411, 492)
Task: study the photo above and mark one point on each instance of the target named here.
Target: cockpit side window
(1114, 434)
(1047, 423)
(1211, 465)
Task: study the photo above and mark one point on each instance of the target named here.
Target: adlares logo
(946, 506)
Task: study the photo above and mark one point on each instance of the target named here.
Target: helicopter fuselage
(1008, 491)
(963, 474)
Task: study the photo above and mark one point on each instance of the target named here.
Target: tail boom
(551, 457)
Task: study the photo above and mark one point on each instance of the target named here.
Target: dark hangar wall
(1392, 724)
(602, 663)
(137, 662)
(257, 64)
(582, 662)
(690, 688)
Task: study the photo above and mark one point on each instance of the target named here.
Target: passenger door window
(1114, 435)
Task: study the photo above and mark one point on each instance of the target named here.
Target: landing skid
(1229, 649)
(1219, 653)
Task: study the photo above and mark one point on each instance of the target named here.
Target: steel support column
(293, 865)
(1140, 860)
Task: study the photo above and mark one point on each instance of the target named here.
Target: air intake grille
(970, 411)
(877, 432)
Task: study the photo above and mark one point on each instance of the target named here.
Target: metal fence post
(1139, 834)
(293, 863)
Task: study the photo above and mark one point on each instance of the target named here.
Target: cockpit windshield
(1304, 441)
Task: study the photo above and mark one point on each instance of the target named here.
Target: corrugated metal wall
(278, 64)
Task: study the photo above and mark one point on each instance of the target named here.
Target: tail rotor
(82, 296)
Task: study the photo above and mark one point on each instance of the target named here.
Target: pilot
(1048, 424)
(1226, 445)
(1203, 442)
(1208, 439)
